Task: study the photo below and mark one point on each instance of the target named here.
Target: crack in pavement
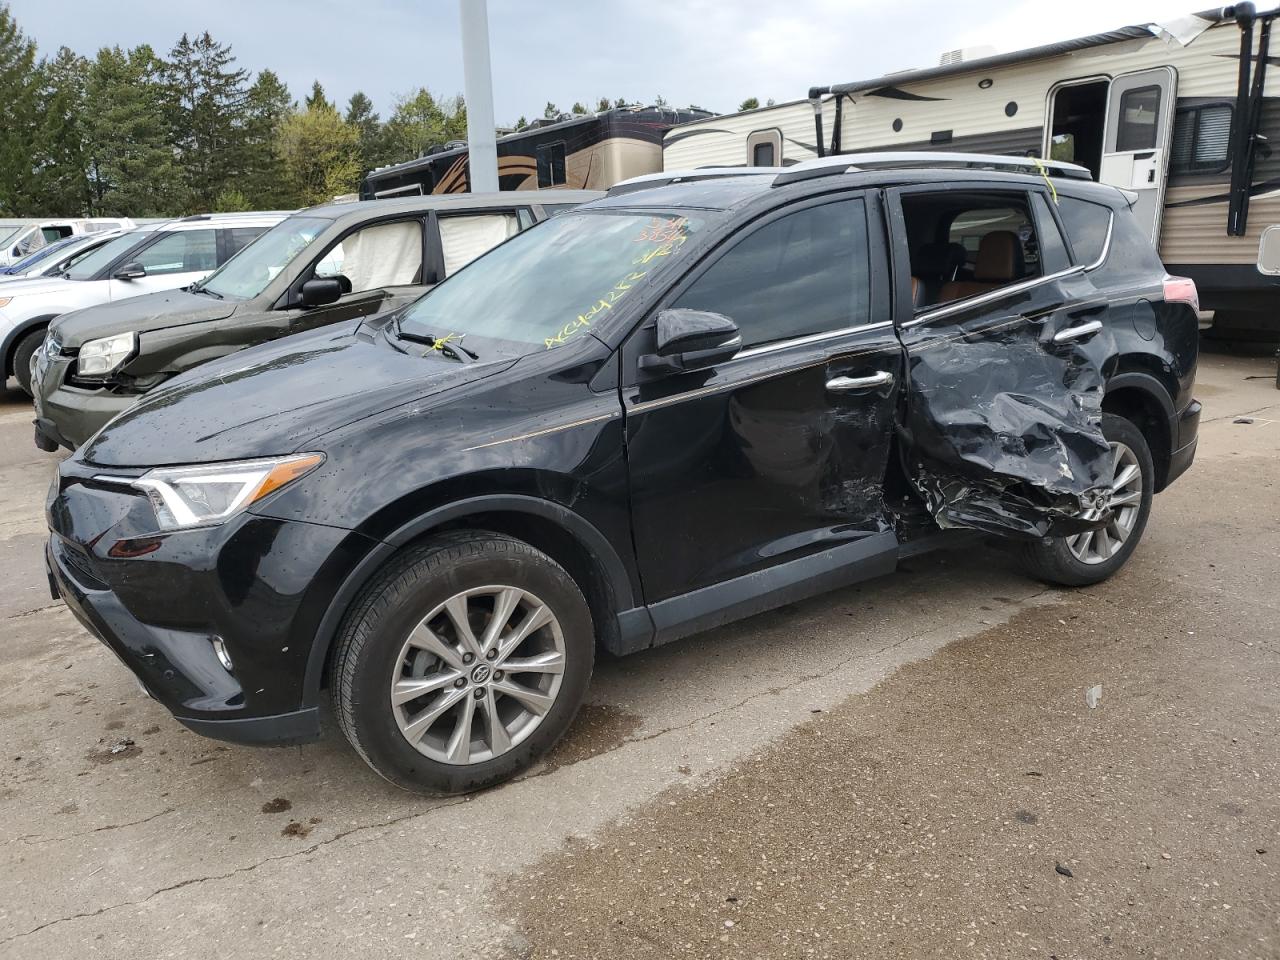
(35, 838)
(33, 611)
(190, 881)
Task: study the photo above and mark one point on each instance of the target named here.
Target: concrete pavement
(953, 765)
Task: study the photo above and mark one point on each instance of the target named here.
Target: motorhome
(1179, 113)
(590, 152)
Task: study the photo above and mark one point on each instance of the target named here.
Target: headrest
(998, 256)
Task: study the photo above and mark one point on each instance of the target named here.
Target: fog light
(224, 658)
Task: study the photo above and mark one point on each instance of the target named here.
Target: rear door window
(806, 272)
(1088, 225)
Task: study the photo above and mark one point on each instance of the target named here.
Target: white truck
(19, 238)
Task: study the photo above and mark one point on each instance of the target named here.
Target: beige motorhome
(1180, 113)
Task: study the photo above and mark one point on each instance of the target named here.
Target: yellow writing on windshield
(605, 303)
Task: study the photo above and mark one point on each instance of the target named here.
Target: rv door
(1135, 146)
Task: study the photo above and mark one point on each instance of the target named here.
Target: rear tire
(1086, 559)
(23, 354)
(434, 707)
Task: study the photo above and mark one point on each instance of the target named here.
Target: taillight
(1181, 290)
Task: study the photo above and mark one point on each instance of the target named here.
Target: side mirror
(318, 292)
(132, 270)
(691, 340)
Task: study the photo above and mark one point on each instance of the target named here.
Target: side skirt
(721, 603)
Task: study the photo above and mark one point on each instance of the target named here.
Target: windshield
(552, 283)
(29, 261)
(87, 267)
(247, 273)
(7, 234)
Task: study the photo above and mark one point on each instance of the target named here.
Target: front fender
(382, 551)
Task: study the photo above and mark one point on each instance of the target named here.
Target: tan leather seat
(997, 265)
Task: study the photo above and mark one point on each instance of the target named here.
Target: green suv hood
(153, 311)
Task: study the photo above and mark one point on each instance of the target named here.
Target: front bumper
(255, 586)
(67, 415)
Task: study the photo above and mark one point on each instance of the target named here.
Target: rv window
(804, 273)
(1087, 227)
(764, 148)
(551, 171)
(1201, 139)
(762, 155)
(1139, 110)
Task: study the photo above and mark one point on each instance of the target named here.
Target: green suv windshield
(553, 283)
(247, 274)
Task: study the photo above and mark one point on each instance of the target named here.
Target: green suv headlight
(98, 358)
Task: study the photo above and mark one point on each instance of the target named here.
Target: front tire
(462, 663)
(23, 356)
(1089, 558)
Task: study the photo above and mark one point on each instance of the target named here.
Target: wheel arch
(1143, 400)
(11, 338)
(565, 536)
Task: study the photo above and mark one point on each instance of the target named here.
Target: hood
(276, 398)
(35, 286)
(153, 311)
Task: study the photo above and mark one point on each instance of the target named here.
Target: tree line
(140, 134)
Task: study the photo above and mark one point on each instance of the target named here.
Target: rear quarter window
(1087, 227)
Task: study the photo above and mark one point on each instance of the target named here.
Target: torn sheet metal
(1003, 431)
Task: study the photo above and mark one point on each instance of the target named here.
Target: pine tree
(603, 104)
(61, 186)
(751, 103)
(17, 115)
(209, 99)
(551, 111)
(578, 110)
(361, 115)
(317, 99)
(133, 163)
(267, 106)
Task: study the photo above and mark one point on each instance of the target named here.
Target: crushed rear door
(1001, 428)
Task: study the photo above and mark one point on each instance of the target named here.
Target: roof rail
(649, 180)
(909, 159)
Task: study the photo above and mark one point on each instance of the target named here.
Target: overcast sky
(713, 53)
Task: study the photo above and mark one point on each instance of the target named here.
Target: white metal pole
(482, 143)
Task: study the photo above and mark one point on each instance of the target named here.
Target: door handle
(1078, 333)
(881, 379)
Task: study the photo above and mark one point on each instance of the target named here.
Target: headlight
(5, 301)
(97, 358)
(209, 494)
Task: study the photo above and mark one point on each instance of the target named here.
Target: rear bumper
(1185, 429)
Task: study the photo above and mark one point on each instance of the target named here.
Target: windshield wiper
(196, 288)
(448, 345)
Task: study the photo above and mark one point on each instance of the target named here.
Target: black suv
(695, 399)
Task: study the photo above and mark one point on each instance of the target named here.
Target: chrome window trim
(991, 296)
(1106, 243)
(807, 338)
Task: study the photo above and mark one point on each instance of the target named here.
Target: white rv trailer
(1179, 112)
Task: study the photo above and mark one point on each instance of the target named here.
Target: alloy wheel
(1125, 504)
(478, 674)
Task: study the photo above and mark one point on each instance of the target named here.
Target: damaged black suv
(698, 398)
